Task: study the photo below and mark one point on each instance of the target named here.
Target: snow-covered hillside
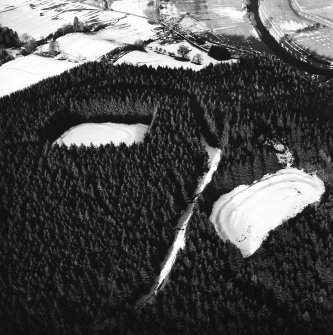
(42, 17)
(127, 24)
(25, 71)
(83, 47)
(155, 59)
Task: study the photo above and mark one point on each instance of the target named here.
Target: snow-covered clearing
(247, 214)
(97, 134)
(25, 71)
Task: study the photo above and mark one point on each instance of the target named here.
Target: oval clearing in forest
(103, 133)
(247, 214)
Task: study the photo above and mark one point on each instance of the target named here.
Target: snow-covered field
(97, 134)
(25, 71)
(247, 214)
(19, 16)
(84, 47)
(80, 47)
(77, 47)
(135, 7)
(222, 16)
(154, 59)
(42, 17)
(129, 29)
(283, 17)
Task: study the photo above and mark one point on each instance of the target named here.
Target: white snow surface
(25, 71)
(129, 29)
(247, 214)
(130, 6)
(42, 17)
(154, 59)
(103, 133)
(19, 16)
(83, 47)
(179, 242)
(232, 12)
(292, 25)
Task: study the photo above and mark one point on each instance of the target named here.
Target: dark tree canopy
(84, 230)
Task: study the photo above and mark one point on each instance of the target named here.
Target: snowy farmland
(222, 16)
(25, 71)
(42, 17)
(97, 134)
(296, 19)
(155, 59)
(247, 214)
(83, 47)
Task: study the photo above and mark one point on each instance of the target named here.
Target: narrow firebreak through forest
(84, 229)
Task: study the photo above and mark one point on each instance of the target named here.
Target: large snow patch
(103, 133)
(25, 71)
(80, 46)
(247, 214)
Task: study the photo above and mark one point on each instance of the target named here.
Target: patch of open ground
(247, 214)
(25, 71)
(97, 134)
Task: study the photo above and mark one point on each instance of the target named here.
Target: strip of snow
(179, 243)
(25, 71)
(214, 155)
(97, 134)
(247, 214)
(292, 25)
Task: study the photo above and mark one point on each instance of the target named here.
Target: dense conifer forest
(84, 230)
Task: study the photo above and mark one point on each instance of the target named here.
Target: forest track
(180, 239)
